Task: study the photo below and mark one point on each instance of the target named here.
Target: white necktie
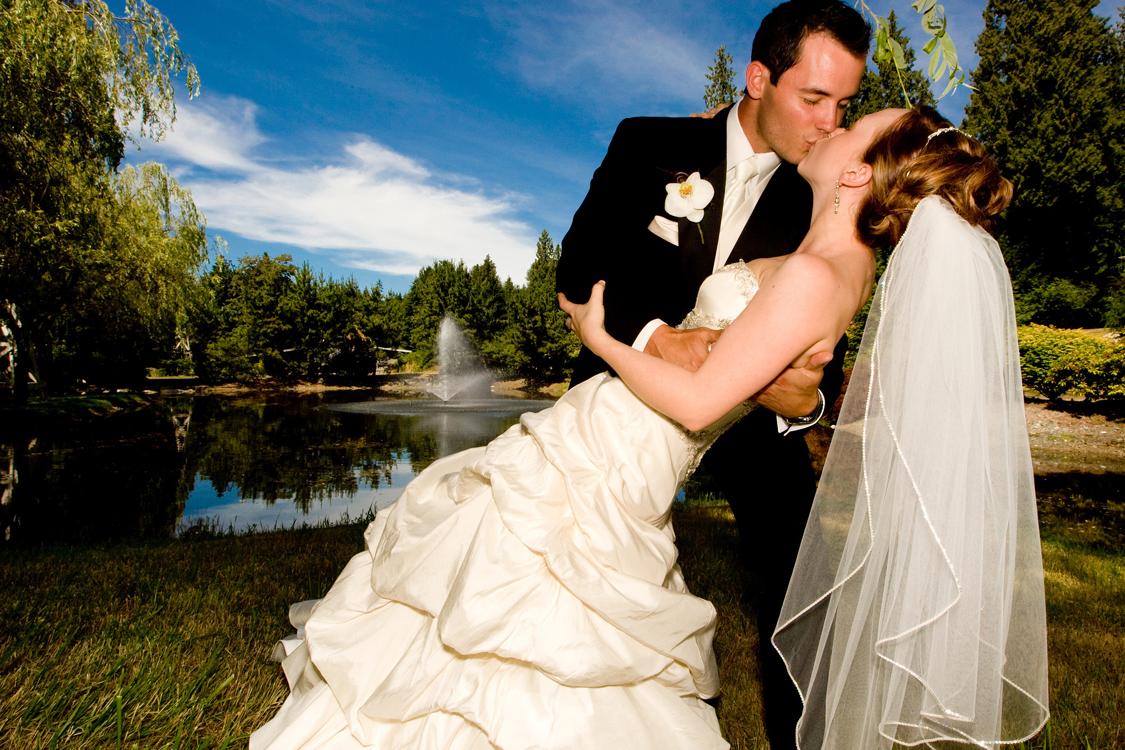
(737, 205)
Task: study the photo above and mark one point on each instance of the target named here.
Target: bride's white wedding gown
(524, 594)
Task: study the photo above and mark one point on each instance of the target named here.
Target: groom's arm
(794, 393)
(686, 348)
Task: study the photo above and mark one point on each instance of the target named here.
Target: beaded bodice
(722, 296)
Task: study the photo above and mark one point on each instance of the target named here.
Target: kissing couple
(526, 594)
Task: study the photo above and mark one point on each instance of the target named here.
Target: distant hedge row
(1058, 362)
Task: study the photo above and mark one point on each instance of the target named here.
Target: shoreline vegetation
(391, 383)
(106, 402)
(404, 383)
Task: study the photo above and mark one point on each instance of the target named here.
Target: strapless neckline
(722, 296)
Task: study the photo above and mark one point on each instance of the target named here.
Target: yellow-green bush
(1057, 362)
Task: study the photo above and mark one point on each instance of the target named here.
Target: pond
(230, 464)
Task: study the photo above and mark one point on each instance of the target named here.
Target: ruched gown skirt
(520, 595)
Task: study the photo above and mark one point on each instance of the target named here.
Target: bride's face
(828, 159)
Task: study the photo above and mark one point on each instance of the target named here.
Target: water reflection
(223, 462)
(119, 478)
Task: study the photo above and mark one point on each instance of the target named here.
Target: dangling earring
(836, 200)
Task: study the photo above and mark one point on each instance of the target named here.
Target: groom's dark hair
(777, 44)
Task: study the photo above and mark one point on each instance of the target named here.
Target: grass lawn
(161, 646)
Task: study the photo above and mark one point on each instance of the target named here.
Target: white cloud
(590, 49)
(216, 136)
(367, 207)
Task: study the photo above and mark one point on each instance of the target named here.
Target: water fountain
(460, 411)
(460, 372)
(461, 386)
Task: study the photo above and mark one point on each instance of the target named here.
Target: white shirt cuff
(784, 428)
(641, 341)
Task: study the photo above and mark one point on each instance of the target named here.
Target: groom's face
(808, 100)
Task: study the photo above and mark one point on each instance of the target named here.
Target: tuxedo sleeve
(833, 379)
(608, 238)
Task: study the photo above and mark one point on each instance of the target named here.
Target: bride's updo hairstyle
(911, 160)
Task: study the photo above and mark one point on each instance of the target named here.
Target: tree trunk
(22, 361)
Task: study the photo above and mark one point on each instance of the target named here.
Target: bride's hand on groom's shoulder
(587, 319)
(709, 114)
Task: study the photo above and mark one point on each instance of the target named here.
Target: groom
(806, 63)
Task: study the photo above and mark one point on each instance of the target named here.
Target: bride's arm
(771, 332)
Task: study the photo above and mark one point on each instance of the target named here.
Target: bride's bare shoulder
(804, 273)
(846, 276)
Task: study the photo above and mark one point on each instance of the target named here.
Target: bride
(526, 594)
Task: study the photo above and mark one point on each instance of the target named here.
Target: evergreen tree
(720, 81)
(885, 87)
(438, 290)
(394, 331)
(1048, 107)
(246, 327)
(374, 329)
(307, 321)
(208, 316)
(486, 315)
(1115, 286)
(266, 318)
(542, 346)
(349, 320)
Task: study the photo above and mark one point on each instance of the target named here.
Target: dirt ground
(1079, 457)
(1065, 441)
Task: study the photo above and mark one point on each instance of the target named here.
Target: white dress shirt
(748, 173)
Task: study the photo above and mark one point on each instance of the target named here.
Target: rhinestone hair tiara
(939, 131)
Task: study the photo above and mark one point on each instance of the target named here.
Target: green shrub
(1058, 302)
(1115, 304)
(1056, 362)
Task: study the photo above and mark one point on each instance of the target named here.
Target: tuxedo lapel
(780, 218)
(699, 241)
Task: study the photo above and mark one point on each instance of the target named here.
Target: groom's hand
(793, 392)
(687, 348)
(709, 114)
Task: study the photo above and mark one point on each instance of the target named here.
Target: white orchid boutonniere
(687, 197)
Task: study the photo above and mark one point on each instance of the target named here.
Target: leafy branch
(146, 52)
(940, 47)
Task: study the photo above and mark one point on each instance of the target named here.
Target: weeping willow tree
(90, 256)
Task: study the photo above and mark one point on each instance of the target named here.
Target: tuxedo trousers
(769, 483)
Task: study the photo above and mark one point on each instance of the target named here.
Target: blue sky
(371, 138)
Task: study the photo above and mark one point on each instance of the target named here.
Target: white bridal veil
(915, 613)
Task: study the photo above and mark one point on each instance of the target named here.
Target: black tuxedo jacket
(646, 276)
